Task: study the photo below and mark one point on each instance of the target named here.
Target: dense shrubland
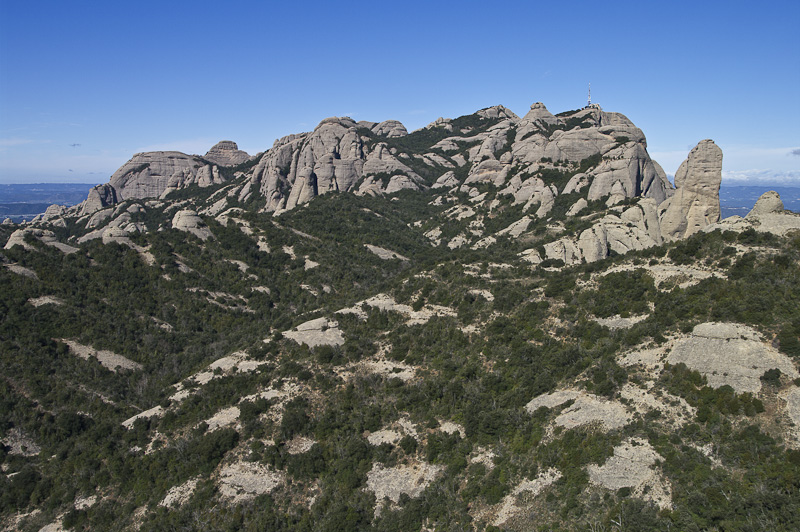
(537, 334)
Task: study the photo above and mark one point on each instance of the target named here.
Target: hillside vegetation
(344, 366)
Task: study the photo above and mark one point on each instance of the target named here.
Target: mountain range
(491, 323)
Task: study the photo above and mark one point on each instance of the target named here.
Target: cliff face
(695, 204)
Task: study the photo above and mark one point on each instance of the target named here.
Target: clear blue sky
(85, 85)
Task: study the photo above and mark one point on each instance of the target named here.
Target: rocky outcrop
(332, 158)
(99, 197)
(155, 174)
(695, 204)
(769, 203)
(767, 216)
(190, 222)
(226, 153)
(730, 354)
(692, 208)
(47, 237)
(390, 129)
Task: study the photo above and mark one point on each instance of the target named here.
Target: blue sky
(85, 85)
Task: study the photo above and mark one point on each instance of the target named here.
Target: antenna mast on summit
(590, 96)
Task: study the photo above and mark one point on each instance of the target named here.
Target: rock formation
(190, 222)
(226, 153)
(332, 158)
(696, 200)
(766, 216)
(769, 203)
(693, 207)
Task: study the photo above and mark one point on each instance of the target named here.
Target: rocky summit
(489, 323)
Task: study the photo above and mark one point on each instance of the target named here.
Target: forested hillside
(425, 358)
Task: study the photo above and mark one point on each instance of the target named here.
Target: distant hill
(24, 201)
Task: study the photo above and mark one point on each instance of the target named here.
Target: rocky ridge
(586, 155)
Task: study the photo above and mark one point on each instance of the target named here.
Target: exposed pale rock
(51, 213)
(20, 443)
(224, 418)
(551, 400)
(384, 436)
(45, 236)
(299, 445)
(188, 221)
(458, 241)
(99, 197)
(45, 300)
(488, 171)
(588, 409)
(106, 358)
(631, 169)
(22, 270)
(730, 354)
(577, 207)
(618, 322)
(178, 495)
(387, 303)
(151, 175)
(448, 427)
(695, 203)
(384, 253)
(389, 369)
(226, 153)
(534, 487)
(565, 250)
(243, 481)
(485, 294)
(531, 255)
(632, 466)
(446, 180)
(395, 481)
(540, 115)
(320, 331)
(497, 111)
(636, 228)
(156, 411)
(792, 399)
(576, 183)
(769, 203)
(390, 128)
(676, 410)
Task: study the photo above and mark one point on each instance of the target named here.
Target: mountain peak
(226, 153)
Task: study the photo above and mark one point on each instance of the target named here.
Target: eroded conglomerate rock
(586, 409)
(695, 203)
(152, 174)
(188, 221)
(332, 158)
(226, 153)
(320, 331)
(392, 482)
(769, 203)
(633, 466)
(767, 216)
(730, 354)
